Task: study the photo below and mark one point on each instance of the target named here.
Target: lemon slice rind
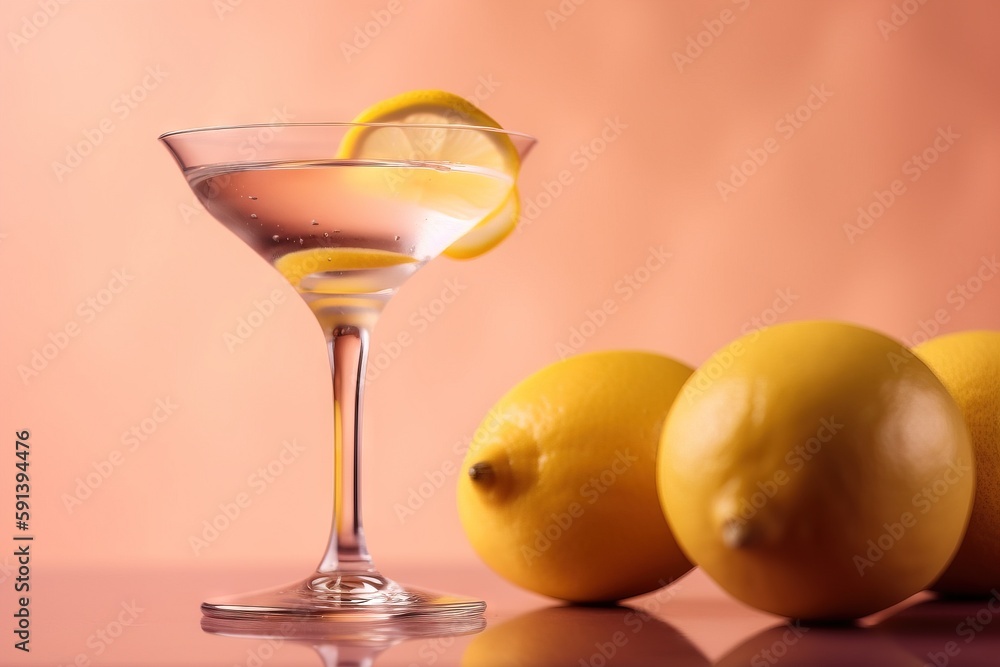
(484, 148)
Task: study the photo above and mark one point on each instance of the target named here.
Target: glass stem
(346, 551)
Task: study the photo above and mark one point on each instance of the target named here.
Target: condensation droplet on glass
(313, 222)
(275, 238)
(301, 240)
(253, 198)
(253, 216)
(396, 237)
(326, 235)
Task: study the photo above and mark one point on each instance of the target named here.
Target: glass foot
(347, 644)
(365, 597)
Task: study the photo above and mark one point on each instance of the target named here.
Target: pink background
(672, 130)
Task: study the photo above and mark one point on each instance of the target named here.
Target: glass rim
(348, 124)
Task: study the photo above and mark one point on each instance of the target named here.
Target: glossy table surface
(152, 617)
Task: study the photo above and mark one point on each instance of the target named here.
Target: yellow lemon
(482, 146)
(560, 491)
(813, 475)
(968, 363)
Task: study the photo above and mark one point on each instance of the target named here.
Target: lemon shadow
(578, 636)
(797, 643)
(948, 632)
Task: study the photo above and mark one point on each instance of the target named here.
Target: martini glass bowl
(346, 212)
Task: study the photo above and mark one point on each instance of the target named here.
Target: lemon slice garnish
(489, 232)
(297, 265)
(485, 149)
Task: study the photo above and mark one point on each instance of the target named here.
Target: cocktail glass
(347, 212)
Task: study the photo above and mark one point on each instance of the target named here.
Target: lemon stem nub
(737, 534)
(481, 471)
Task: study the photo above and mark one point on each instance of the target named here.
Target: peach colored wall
(671, 95)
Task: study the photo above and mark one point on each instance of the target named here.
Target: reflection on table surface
(152, 617)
